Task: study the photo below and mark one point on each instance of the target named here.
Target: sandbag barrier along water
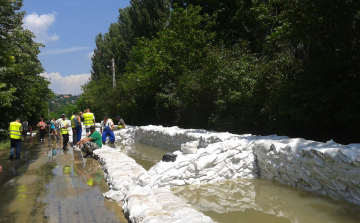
(129, 183)
(208, 157)
(327, 168)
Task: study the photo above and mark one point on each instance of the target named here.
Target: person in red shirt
(41, 126)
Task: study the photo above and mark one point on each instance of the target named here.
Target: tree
(26, 92)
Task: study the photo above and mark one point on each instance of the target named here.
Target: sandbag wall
(171, 138)
(327, 168)
(231, 159)
(128, 183)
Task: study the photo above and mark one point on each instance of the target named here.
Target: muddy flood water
(252, 200)
(50, 185)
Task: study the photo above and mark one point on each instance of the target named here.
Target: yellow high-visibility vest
(72, 122)
(88, 118)
(15, 130)
(64, 130)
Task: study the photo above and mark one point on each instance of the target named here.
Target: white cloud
(39, 25)
(90, 55)
(61, 51)
(66, 85)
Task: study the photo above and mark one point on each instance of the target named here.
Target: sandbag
(190, 147)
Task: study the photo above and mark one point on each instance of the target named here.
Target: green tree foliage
(261, 67)
(141, 19)
(25, 92)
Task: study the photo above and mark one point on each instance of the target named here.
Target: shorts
(25, 133)
(13, 142)
(87, 128)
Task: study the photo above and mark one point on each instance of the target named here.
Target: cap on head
(63, 115)
(118, 117)
(18, 119)
(92, 127)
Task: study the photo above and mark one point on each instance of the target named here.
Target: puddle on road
(261, 200)
(50, 185)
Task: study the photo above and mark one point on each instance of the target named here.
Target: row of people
(61, 127)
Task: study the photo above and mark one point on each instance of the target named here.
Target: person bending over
(90, 143)
(106, 129)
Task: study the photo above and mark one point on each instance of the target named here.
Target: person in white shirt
(108, 126)
(57, 127)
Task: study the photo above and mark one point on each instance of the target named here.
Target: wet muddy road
(50, 185)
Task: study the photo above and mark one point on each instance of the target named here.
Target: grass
(5, 144)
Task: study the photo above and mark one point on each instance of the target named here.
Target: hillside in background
(62, 104)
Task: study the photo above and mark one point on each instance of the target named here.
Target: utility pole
(113, 70)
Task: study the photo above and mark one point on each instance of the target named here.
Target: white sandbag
(241, 155)
(205, 161)
(332, 154)
(162, 219)
(190, 147)
(161, 167)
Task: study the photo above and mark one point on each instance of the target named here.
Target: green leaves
(264, 67)
(23, 93)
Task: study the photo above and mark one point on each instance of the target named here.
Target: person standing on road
(121, 123)
(78, 126)
(41, 126)
(64, 130)
(48, 129)
(53, 130)
(73, 126)
(108, 126)
(91, 143)
(57, 127)
(89, 120)
(25, 128)
(15, 130)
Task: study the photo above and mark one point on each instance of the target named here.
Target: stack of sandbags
(125, 136)
(121, 172)
(171, 138)
(190, 147)
(327, 168)
(143, 204)
(220, 161)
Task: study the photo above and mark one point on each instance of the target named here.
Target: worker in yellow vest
(64, 130)
(15, 130)
(73, 126)
(89, 120)
(121, 123)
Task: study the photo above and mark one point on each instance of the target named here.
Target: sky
(68, 29)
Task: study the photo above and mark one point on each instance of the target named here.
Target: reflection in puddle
(56, 186)
(260, 200)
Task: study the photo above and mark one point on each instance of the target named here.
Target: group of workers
(92, 141)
